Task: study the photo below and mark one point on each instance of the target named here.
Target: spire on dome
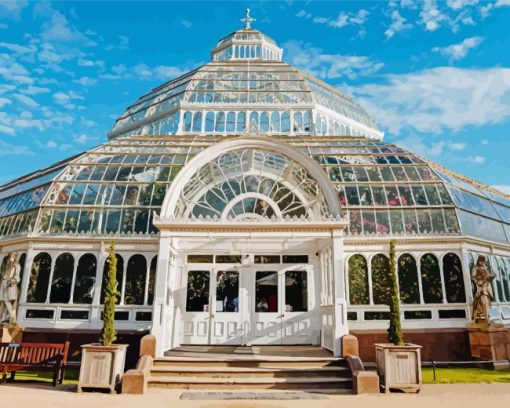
(247, 20)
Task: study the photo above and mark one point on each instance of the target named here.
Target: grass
(71, 376)
(465, 375)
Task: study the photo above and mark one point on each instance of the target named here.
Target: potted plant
(102, 364)
(398, 363)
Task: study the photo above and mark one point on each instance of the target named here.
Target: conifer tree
(395, 334)
(108, 334)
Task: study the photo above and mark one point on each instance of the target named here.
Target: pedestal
(10, 333)
(489, 342)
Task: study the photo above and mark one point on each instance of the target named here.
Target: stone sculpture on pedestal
(9, 279)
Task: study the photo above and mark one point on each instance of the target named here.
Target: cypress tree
(108, 334)
(395, 334)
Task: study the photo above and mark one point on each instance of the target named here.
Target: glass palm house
(252, 203)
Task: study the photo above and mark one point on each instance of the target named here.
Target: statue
(482, 278)
(9, 279)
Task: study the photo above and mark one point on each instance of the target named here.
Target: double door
(248, 305)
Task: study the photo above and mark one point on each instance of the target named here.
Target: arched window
(241, 121)
(187, 121)
(431, 279)
(152, 280)
(306, 121)
(197, 122)
(85, 280)
(120, 272)
(408, 279)
(358, 280)
(39, 278)
(231, 122)
(285, 122)
(298, 122)
(220, 122)
(275, 122)
(60, 291)
(381, 279)
(506, 279)
(209, 122)
(264, 122)
(254, 122)
(453, 279)
(135, 280)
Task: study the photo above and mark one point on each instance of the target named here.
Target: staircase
(251, 371)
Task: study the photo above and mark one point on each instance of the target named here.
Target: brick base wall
(437, 344)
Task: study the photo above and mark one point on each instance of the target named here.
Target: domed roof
(117, 187)
(246, 75)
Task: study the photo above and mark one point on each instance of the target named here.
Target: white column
(26, 275)
(339, 293)
(76, 258)
(466, 273)
(162, 327)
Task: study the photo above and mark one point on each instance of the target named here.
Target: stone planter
(399, 367)
(102, 366)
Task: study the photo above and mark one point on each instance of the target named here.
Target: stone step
(249, 372)
(308, 383)
(259, 362)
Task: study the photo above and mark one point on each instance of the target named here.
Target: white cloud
(11, 70)
(160, 72)
(7, 149)
(457, 146)
(418, 145)
(502, 3)
(460, 4)
(81, 139)
(303, 14)
(484, 142)
(12, 9)
(66, 99)
(34, 90)
(329, 66)
(4, 102)
(431, 16)
(86, 81)
(344, 19)
(439, 98)
(458, 51)
(26, 100)
(186, 23)
(398, 23)
(476, 159)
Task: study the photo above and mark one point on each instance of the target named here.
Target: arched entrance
(243, 225)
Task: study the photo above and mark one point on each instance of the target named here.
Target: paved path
(432, 396)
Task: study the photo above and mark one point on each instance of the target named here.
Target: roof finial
(247, 20)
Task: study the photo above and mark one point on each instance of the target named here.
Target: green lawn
(465, 375)
(71, 376)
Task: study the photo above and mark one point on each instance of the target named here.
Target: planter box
(102, 366)
(399, 367)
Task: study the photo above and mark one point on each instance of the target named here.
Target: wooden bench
(34, 357)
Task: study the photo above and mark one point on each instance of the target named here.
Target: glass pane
(266, 292)
(296, 291)
(135, 280)
(197, 293)
(453, 279)
(227, 291)
(358, 280)
(431, 279)
(39, 278)
(85, 280)
(380, 279)
(62, 279)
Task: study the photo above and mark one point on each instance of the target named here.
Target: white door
(196, 304)
(226, 311)
(263, 286)
(296, 318)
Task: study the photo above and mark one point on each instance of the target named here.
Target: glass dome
(117, 187)
(246, 88)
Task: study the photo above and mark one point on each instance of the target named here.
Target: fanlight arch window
(408, 279)
(358, 281)
(85, 280)
(62, 279)
(453, 279)
(252, 184)
(39, 278)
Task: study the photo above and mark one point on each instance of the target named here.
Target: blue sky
(434, 74)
